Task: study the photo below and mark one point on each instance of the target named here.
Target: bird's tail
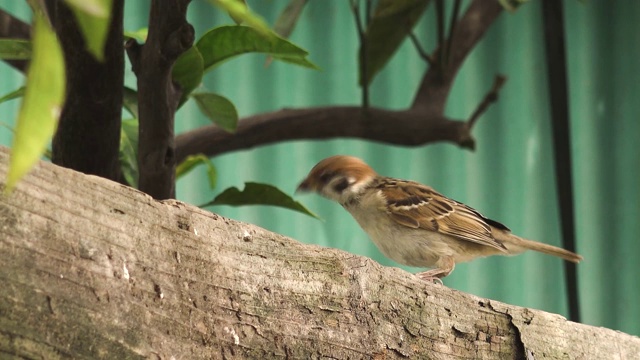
(516, 244)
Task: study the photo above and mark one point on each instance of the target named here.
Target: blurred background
(510, 175)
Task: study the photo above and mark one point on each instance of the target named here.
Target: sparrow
(412, 223)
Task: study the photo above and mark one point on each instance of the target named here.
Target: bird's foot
(426, 276)
(444, 267)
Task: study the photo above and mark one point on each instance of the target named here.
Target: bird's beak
(303, 187)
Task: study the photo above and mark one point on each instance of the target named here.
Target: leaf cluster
(43, 94)
(383, 30)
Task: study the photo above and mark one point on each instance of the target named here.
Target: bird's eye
(325, 177)
(341, 185)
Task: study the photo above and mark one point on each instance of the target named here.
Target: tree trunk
(87, 138)
(94, 269)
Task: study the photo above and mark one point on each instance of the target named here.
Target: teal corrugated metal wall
(509, 177)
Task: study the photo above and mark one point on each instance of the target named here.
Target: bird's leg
(444, 267)
(426, 276)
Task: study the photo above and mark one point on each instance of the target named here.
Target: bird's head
(339, 178)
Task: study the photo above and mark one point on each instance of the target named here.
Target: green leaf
(222, 43)
(130, 101)
(13, 95)
(47, 152)
(129, 151)
(93, 18)
(15, 49)
(239, 12)
(218, 109)
(297, 61)
(287, 21)
(139, 35)
(95, 8)
(42, 103)
(194, 160)
(188, 71)
(392, 21)
(259, 194)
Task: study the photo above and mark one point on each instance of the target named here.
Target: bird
(412, 223)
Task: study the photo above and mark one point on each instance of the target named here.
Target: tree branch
(14, 28)
(405, 127)
(362, 52)
(440, 32)
(423, 54)
(169, 36)
(435, 86)
(491, 97)
(452, 27)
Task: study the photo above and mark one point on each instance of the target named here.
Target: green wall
(509, 177)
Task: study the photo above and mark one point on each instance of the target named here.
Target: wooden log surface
(93, 269)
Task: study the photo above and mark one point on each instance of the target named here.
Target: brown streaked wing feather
(418, 206)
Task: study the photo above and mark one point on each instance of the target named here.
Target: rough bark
(88, 135)
(94, 269)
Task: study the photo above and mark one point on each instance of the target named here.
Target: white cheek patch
(357, 187)
(337, 191)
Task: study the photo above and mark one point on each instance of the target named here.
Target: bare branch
(435, 87)
(362, 54)
(491, 97)
(452, 27)
(406, 128)
(423, 54)
(440, 32)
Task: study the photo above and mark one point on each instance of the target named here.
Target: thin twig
(355, 7)
(440, 25)
(491, 97)
(423, 54)
(452, 27)
(367, 10)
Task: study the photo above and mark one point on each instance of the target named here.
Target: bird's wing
(418, 206)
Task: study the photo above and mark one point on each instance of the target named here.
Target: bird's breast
(407, 246)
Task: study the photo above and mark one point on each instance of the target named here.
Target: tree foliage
(383, 26)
